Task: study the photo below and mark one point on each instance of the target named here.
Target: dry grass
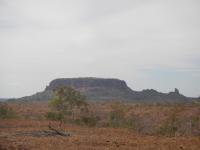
(99, 137)
(84, 138)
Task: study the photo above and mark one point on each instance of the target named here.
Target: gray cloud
(138, 41)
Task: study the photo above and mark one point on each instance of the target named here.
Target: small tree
(66, 101)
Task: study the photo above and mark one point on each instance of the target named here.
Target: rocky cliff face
(95, 88)
(107, 89)
(84, 83)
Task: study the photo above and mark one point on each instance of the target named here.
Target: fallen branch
(58, 132)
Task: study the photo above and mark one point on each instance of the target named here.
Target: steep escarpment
(95, 88)
(79, 83)
(107, 89)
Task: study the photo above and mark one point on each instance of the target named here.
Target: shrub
(6, 112)
(170, 126)
(66, 102)
(168, 129)
(54, 116)
(90, 121)
(195, 125)
(117, 116)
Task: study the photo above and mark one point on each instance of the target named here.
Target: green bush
(6, 112)
(87, 120)
(54, 116)
(66, 102)
(117, 117)
(90, 121)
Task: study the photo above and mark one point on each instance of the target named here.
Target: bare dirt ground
(19, 135)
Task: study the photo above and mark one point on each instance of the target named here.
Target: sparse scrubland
(104, 126)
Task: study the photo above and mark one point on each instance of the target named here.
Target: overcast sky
(148, 43)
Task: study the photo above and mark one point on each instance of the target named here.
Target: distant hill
(3, 99)
(98, 89)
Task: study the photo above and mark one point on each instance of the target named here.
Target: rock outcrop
(107, 89)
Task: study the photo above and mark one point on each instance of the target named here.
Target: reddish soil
(85, 138)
